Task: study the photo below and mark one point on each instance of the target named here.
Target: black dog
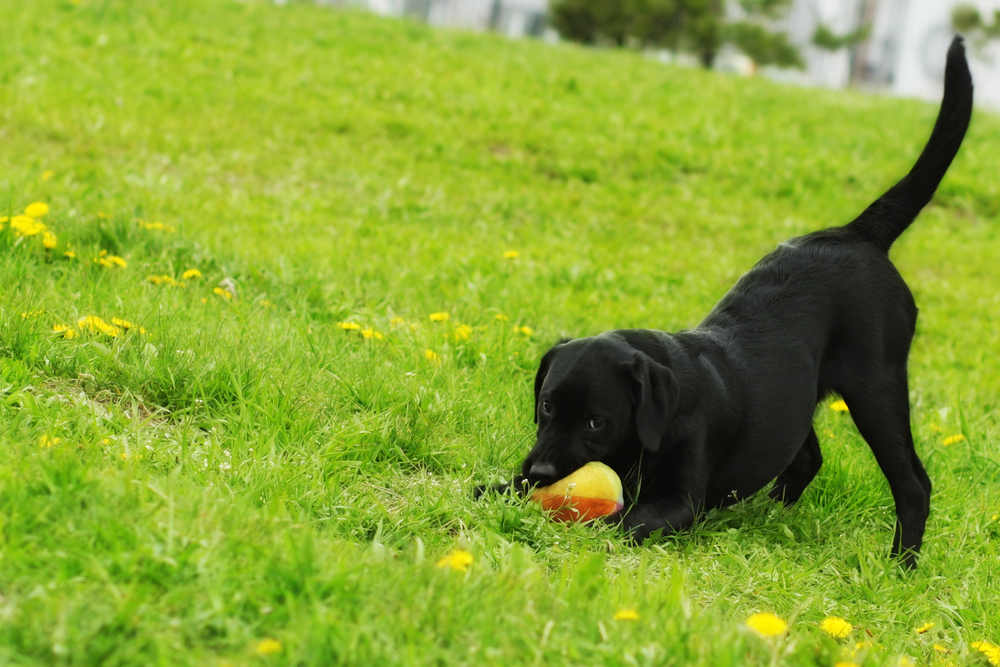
(704, 417)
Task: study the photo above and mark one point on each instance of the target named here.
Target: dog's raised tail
(889, 215)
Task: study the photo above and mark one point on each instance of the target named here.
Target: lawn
(298, 269)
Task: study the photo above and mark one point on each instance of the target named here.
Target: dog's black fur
(704, 417)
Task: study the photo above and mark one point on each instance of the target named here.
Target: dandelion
(941, 649)
(67, 331)
(190, 274)
(953, 439)
(991, 652)
(767, 625)
(45, 442)
(839, 406)
(349, 326)
(70, 254)
(371, 333)
(26, 226)
(527, 331)
(49, 240)
(162, 280)
(48, 174)
(511, 254)
(626, 615)
(440, 317)
(500, 317)
(458, 560)
(95, 324)
(835, 627)
(110, 261)
(845, 663)
(224, 293)
(267, 646)
(431, 356)
(462, 332)
(923, 628)
(125, 324)
(397, 321)
(157, 226)
(36, 209)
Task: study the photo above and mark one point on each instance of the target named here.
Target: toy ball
(592, 491)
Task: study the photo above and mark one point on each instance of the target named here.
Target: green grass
(247, 470)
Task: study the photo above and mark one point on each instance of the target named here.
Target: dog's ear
(543, 369)
(655, 393)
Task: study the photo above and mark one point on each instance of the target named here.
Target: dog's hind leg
(881, 411)
(795, 478)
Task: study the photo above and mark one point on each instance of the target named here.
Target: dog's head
(597, 399)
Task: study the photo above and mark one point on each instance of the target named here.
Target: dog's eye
(594, 424)
(546, 407)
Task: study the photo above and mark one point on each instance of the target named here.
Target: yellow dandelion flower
(67, 331)
(267, 646)
(191, 273)
(95, 324)
(953, 439)
(500, 317)
(527, 331)
(941, 649)
(371, 333)
(397, 321)
(159, 226)
(904, 661)
(991, 652)
(349, 326)
(923, 628)
(49, 240)
(26, 226)
(36, 209)
(440, 317)
(224, 293)
(835, 627)
(110, 261)
(46, 442)
(458, 560)
(511, 254)
(839, 406)
(462, 332)
(124, 324)
(995, 517)
(70, 254)
(431, 356)
(845, 663)
(48, 174)
(626, 615)
(766, 624)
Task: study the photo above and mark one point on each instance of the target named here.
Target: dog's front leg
(667, 516)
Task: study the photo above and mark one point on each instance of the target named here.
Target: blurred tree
(825, 38)
(693, 26)
(967, 19)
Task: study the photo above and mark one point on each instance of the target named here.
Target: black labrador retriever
(704, 417)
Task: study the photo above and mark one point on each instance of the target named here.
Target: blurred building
(903, 55)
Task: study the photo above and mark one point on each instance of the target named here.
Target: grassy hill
(263, 461)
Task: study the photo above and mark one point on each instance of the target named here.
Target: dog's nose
(542, 474)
